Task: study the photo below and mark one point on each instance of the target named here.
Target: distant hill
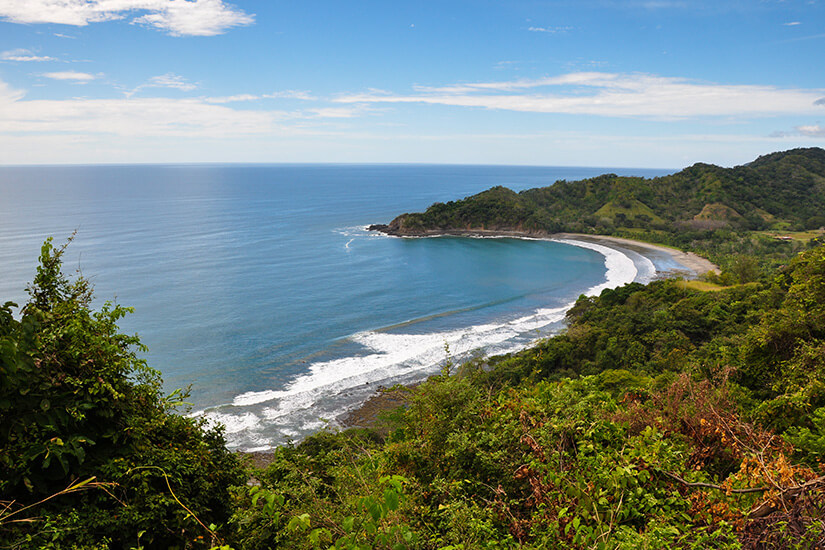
(780, 191)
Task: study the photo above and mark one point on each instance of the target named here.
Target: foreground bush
(91, 453)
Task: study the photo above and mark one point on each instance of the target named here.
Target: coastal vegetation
(669, 415)
(726, 214)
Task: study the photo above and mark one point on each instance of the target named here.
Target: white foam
(234, 423)
(620, 268)
(388, 356)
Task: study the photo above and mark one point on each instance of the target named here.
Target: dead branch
(770, 506)
(712, 486)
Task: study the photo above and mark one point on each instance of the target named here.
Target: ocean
(259, 287)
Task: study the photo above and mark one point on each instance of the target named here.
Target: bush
(78, 404)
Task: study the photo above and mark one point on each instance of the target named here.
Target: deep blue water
(259, 286)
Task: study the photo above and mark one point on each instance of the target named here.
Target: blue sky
(655, 83)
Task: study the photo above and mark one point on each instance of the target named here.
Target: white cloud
(23, 55)
(156, 117)
(70, 75)
(232, 98)
(150, 117)
(811, 131)
(612, 95)
(196, 18)
(9, 95)
(177, 17)
(336, 112)
(168, 80)
(290, 94)
(792, 23)
(550, 30)
(286, 94)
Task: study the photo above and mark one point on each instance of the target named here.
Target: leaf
(375, 510)
(77, 486)
(391, 499)
(348, 524)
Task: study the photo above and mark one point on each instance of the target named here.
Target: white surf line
(407, 352)
(392, 355)
(621, 270)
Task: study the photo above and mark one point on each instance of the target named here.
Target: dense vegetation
(711, 210)
(91, 453)
(663, 417)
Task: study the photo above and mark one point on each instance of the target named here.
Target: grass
(802, 236)
(704, 286)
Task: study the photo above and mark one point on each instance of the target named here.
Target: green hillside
(664, 417)
(684, 415)
(713, 211)
(778, 191)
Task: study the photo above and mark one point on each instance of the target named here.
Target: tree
(77, 402)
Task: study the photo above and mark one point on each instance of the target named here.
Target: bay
(259, 286)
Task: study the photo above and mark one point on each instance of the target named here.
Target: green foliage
(663, 417)
(707, 209)
(77, 402)
(633, 429)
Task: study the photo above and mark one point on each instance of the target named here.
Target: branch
(770, 506)
(72, 488)
(712, 486)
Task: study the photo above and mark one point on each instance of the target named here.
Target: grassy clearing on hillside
(704, 286)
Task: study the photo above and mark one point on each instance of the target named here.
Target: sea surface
(259, 286)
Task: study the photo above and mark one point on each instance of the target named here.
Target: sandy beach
(693, 263)
(367, 415)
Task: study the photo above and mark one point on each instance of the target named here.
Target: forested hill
(780, 191)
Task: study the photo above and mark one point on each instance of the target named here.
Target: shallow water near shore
(260, 287)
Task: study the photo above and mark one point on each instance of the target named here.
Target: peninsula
(665, 416)
(718, 213)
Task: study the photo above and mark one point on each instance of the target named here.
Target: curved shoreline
(658, 262)
(367, 415)
(693, 264)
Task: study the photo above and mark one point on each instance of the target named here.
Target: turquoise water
(260, 287)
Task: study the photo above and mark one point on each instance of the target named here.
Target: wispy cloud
(137, 117)
(168, 80)
(811, 131)
(336, 112)
(290, 94)
(550, 30)
(612, 95)
(70, 75)
(23, 56)
(232, 98)
(792, 23)
(132, 117)
(176, 17)
(285, 94)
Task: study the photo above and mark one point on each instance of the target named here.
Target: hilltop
(664, 416)
(782, 191)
